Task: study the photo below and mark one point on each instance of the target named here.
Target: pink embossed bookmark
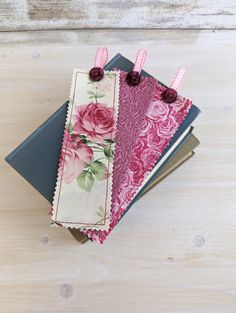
(83, 191)
(165, 113)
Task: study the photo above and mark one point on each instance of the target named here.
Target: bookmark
(162, 120)
(165, 114)
(134, 101)
(83, 191)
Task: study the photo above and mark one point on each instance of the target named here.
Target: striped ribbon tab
(140, 60)
(178, 79)
(101, 57)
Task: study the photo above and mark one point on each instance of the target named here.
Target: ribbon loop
(97, 73)
(170, 94)
(140, 60)
(133, 77)
(101, 57)
(178, 79)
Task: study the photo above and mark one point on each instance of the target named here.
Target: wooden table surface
(175, 251)
(68, 14)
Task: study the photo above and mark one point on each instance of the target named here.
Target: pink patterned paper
(161, 121)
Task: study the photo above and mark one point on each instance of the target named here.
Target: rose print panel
(161, 122)
(83, 191)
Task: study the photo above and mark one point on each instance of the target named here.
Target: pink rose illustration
(147, 126)
(155, 141)
(140, 145)
(158, 111)
(127, 187)
(178, 105)
(95, 120)
(74, 156)
(158, 92)
(167, 128)
(149, 158)
(136, 167)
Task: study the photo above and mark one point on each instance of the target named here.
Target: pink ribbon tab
(140, 60)
(101, 57)
(178, 79)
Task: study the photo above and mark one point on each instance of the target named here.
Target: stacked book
(36, 159)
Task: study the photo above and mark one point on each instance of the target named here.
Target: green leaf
(85, 181)
(109, 140)
(70, 127)
(87, 166)
(100, 95)
(89, 92)
(83, 139)
(99, 169)
(109, 153)
(110, 75)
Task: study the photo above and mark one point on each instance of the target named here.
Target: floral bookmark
(164, 115)
(83, 191)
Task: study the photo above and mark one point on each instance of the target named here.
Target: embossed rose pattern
(161, 122)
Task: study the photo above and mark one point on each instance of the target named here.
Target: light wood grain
(175, 251)
(71, 14)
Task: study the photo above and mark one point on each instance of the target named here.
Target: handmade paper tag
(83, 191)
